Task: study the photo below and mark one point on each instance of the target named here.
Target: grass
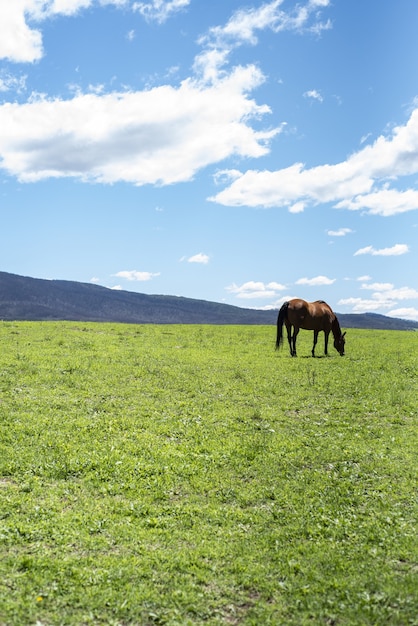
(193, 475)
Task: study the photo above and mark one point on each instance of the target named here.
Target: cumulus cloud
(313, 94)
(159, 10)
(293, 184)
(396, 250)
(316, 281)
(245, 23)
(377, 286)
(160, 136)
(21, 40)
(383, 202)
(67, 7)
(18, 41)
(360, 305)
(406, 313)
(386, 297)
(404, 293)
(134, 275)
(10, 82)
(359, 183)
(341, 232)
(199, 258)
(243, 26)
(254, 289)
(298, 207)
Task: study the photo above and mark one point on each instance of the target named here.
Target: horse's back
(320, 307)
(310, 315)
(322, 303)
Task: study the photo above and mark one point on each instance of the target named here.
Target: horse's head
(339, 344)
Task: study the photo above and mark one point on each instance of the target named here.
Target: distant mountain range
(24, 298)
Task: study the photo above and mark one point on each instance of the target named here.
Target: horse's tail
(280, 320)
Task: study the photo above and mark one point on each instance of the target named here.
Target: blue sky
(235, 151)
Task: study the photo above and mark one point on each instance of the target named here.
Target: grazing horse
(314, 316)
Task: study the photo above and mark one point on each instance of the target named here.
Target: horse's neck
(336, 328)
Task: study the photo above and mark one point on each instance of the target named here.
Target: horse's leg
(326, 333)
(315, 341)
(295, 334)
(289, 336)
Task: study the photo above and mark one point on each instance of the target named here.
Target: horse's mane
(335, 327)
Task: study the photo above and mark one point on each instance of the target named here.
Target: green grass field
(186, 475)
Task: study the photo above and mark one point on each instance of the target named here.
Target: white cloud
(396, 250)
(18, 42)
(315, 282)
(313, 94)
(66, 7)
(341, 232)
(360, 182)
(384, 202)
(160, 10)
(225, 176)
(360, 305)
(292, 184)
(298, 207)
(378, 286)
(134, 275)
(21, 40)
(402, 293)
(9, 82)
(160, 136)
(384, 296)
(365, 138)
(253, 289)
(243, 26)
(199, 258)
(407, 313)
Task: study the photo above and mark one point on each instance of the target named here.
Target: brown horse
(314, 316)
